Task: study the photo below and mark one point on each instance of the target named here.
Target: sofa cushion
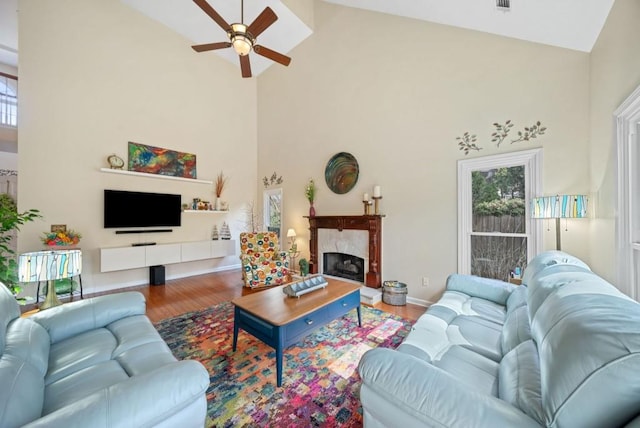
(546, 282)
(457, 319)
(519, 379)
(22, 368)
(482, 336)
(516, 329)
(517, 298)
(549, 258)
(489, 289)
(79, 352)
(9, 310)
(589, 347)
(471, 369)
(74, 387)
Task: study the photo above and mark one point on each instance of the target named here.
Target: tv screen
(140, 209)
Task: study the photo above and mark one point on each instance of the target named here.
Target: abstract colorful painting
(156, 160)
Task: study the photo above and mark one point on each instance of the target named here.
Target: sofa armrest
(74, 318)
(491, 289)
(401, 390)
(141, 401)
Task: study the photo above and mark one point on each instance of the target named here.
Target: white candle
(376, 191)
(365, 197)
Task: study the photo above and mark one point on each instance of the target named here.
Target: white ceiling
(571, 24)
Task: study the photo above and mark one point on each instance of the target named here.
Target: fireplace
(359, 236)
(343, 265)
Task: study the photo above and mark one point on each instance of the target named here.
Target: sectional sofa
(562, 350)
(94, 363)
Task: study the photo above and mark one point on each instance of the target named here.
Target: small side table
(293, 255)
(516, 281)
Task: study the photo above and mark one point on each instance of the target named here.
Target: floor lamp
(49, 266)
(557, 207)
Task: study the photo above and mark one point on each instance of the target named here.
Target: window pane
(496, 256)
(498, 200)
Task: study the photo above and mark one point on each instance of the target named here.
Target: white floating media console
(122, 258)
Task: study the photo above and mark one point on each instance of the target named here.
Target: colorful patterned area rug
(320, 381)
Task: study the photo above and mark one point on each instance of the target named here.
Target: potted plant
(221, 181)
(310, 194)
(10, 220)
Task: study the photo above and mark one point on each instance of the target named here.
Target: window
(272, 209)
(495, 231)
(8, 100)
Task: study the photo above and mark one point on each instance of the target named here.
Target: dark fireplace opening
(344, 266)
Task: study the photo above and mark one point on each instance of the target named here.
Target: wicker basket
(394, 293)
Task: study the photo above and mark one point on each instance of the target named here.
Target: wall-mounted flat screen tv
(140, 209)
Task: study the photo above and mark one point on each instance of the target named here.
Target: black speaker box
(156, 275)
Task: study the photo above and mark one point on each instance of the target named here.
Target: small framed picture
(58, 228)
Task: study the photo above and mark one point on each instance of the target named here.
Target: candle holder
(367, 207)
(376, 200)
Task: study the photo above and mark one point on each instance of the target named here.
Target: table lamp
(559, 206)
(49, 266)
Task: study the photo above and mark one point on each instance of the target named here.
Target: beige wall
(615, 73)
(96, 74)
(398, 105)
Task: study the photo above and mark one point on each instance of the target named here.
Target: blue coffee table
(280, 321)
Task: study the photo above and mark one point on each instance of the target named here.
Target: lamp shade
(49, 265)
(559, 206)
(291, 233)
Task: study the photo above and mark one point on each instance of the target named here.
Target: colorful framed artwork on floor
(156, 160)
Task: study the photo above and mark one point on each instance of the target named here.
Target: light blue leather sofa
(94, 363)
(562, 351)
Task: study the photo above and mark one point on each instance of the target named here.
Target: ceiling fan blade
(245, 65)
(213, 14)
(262, 22)
(211, 46)
(272, 55)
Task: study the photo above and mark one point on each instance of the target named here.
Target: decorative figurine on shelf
(214, 233)
(225, 233)
(304, 267)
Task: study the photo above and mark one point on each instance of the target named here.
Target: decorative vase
(218, 204)
(312, 210)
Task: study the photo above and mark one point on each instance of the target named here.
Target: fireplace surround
(370, 223)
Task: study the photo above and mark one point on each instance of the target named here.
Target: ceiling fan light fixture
(240, 39)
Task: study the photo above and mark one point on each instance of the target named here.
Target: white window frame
(266, 209)
(532, 161)
(627, 122)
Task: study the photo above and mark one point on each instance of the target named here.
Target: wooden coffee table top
(275, 307)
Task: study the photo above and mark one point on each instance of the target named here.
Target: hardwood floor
(194, 293)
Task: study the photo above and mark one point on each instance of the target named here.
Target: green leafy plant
(304, 267)
(500, 207)
(310, 191)
(10, 220)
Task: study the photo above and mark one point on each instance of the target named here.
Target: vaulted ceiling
(571, 24)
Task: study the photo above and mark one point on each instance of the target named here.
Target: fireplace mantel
(370, 223)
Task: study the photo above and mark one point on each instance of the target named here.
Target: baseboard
(419, 302)
(136, 283)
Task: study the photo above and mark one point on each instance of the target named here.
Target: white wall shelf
(144, 174)
(205, 211)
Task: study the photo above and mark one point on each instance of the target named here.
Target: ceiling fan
(243, 38)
